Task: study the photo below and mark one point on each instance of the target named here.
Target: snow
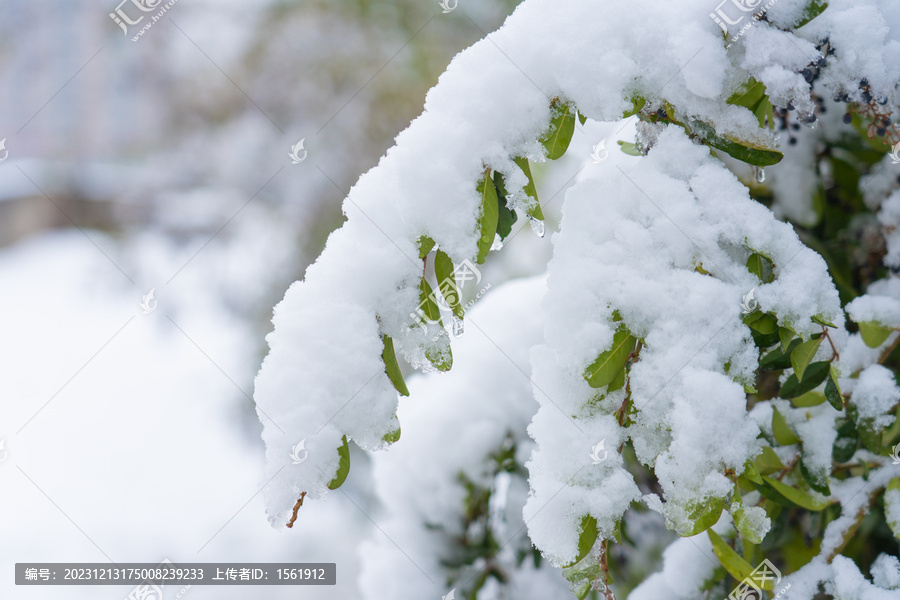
(886, 571)
(452, 424)
(850, 584)
(687, 564)
(875, 395)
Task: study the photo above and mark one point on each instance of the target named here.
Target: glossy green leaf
(562, 126)
(870, 435)
(343, 466)
(812, 377)
(391, 367)
(808, 399)
(741, 150)
(424, 244)
(604, 370)
(489, 217)
(581, 118)
(874, 334)
(803, 355)
(636, 105)
(781, 431)
(618, 383)
(530, 189)
(833, 395)
(749, 95)
(752, 473)
(768, 462)
(745, 526)
(446, 276)
(762, 267)
(736, 566)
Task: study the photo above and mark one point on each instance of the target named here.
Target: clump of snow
(886, 571)
(850, 584)
(875, 395)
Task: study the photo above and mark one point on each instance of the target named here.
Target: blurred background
(150, 217)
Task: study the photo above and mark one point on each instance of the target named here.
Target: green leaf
(847, 441)
(762, 267)
(391, 367)
(343, 466)
(562, 126)
(749, 95)
(506, 217)
(581, 118)
(818, 483)
(765, 324)
(803, 355)
(530, 189)
(813, 375)
(441, 358)
(489, 216)
(736, 566)
(821, 320)
(745, 526)
(446, 276)
(833, 391)
(791, 496)
(752, 473)
(874, 334)
(741, 150)
(778, 359)
(586, 539)
(629, 148)
(424, 244)
(618, 383)
(428, 303)
(392, 436)
(768, 462)
(785, 334)
(808, 399)
(703, 516)
(812, 10)
(870, 435)
(605, 369)
(636, 105)
(781, 431)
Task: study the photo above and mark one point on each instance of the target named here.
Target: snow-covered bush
(694, 359)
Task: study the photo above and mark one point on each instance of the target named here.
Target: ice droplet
(537, 226)
(458, 326)
(759, 174)
(498, 243)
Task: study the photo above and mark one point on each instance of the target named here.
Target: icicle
(537, 226)
(458, 326)
(498, 243)
(759, 174)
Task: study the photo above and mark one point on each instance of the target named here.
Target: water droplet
(498, 243)
(759, 174)
(537, 226)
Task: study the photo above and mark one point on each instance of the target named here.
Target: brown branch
(296, 508)
(837, 355)
(888, 350)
